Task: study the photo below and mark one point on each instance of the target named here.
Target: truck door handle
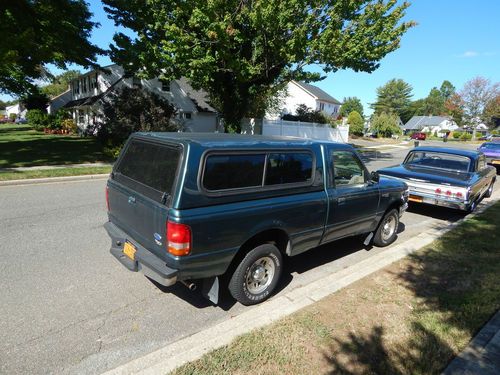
(131, 200)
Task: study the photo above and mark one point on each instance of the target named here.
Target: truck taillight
(178, 239)
(107, 197)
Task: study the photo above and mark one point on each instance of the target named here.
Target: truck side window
(347, 169)
(289, 167)
(224, 172)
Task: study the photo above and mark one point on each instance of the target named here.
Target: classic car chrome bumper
(436, 200)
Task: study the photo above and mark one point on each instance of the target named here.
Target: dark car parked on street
(445, 177)
(186, 207)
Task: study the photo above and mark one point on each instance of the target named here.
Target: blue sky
(455, 40)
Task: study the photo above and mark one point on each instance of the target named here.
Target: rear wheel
(387, 229)
(490, 190)
(257, 275)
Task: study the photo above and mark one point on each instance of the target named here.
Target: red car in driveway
(419, 136)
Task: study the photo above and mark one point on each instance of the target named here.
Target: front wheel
(387, 229)
(257, 275)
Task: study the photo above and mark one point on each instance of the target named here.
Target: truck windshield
(441, 160)
(149, 168)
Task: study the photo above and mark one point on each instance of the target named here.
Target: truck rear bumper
(145, 261)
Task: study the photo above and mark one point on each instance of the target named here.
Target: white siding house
(433, 124)
(86, 94)
(17, 109)
(301, 93)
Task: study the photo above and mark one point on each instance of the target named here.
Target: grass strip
(56, 172)
(411, 317)
(23, 146)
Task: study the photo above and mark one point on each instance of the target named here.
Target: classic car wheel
(387, 229)
(472, 207)
(490, 190)
(257, 275)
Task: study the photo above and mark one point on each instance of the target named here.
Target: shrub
(69, 126)
(38, 119)
(386, 124)
(457, 135)
(356, 123)
(12, 117)
(129, 110)
(466, 137)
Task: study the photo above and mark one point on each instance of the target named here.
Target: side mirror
(374, 176)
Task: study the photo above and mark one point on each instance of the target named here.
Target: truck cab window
(347, 169)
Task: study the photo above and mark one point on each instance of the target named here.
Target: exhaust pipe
(190, 285)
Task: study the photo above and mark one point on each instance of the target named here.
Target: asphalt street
(68, 306)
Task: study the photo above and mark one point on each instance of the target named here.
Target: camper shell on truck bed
(189, 207)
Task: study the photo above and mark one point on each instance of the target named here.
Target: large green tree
(394, 97)
(39, 32)
(351, 104)
(239, 50)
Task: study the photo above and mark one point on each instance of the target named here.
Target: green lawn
(22, 146)
(54, 172)
(411, 317)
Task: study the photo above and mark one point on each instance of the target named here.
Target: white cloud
(470, 54)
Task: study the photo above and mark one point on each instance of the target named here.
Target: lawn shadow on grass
(51, 150)
(368, 354)
(455, 286)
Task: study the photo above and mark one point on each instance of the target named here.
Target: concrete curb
(482, 355)
(193, 347)
(46, 180)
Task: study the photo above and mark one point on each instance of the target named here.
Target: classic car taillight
(438, 191)
(178, 239)
(459, 194)
(448, 193)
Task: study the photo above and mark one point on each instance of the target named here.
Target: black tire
(472, 207)
(387, 229)
(490, 190)
(257, 275)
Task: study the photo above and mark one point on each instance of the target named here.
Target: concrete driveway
(68, 306)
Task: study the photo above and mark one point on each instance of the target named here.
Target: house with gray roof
(433, 124)
(301, 93)
(87, 94)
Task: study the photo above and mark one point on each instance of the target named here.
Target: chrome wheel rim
(490, 189)
(388, 228)
(260, 275)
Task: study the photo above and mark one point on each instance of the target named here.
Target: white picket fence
(305, 130)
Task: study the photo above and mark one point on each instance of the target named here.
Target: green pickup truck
(190, 208)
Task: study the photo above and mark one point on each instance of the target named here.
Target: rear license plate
(495, 162)
(415, 198)
(129, 250)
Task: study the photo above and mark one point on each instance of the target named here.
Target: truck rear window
(149, 168)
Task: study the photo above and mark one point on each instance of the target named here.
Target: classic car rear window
(148, 168)
(442, 160)
(239, 171)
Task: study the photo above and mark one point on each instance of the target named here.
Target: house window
(84, 84)
(81, 116)
(321, 106)
(187, 115)
(165, 85)
(335, 109)
(96, 83)
(136, 82)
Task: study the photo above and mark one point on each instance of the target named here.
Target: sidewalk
(482, 356)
